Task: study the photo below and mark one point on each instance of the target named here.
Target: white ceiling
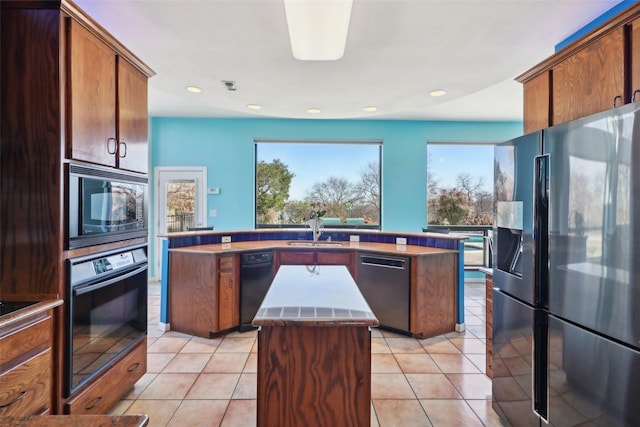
(397, 52)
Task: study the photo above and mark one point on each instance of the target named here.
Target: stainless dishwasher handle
(260, 265)
(397, 264)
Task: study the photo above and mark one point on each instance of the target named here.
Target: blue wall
(225, 147)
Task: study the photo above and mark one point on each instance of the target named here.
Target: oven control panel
(89, 268)
(109, 263)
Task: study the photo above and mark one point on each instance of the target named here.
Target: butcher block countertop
(387, 248)
(314, 296)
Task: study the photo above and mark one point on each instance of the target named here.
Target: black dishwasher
(256, 274)
(385, 282)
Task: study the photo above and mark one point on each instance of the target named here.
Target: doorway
(180, 204)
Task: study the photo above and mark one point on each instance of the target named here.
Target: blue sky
(313, 163)
(447, 161)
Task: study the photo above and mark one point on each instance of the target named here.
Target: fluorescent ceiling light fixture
(438, 92)
(253, 107)
(318, 28)
(193, 89)
(370, 109)
(313, 110)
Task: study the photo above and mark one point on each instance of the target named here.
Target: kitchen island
(314, 349)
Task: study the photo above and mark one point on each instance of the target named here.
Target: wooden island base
(310, 375)
(314, 350)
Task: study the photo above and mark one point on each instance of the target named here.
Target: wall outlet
(226, 239)
(401, 240)
(355, 238)
(214, 190)
(213, 213)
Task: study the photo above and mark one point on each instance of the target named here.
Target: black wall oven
(105, 205)
(107, 311)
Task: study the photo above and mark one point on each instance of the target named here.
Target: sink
(306, 243)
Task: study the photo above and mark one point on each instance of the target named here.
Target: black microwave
(105, 206)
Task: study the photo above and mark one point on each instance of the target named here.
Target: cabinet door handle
(93, 404)
(17, 399)
(615, 100)
(633, 97)
(115, 145)
(133, 367)
(123, 153)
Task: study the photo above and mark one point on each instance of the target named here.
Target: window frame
(375, 142)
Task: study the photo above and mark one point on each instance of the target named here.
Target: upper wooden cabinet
(635, 60)
(107, 104)
(593, 74)
(132, 118)
(536, 102)
(591, 80)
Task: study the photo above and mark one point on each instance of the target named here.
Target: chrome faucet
(315, 223)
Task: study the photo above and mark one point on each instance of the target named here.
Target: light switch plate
(226, 239)
(213, 213)
(213, 190)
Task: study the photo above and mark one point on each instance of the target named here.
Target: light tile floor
(439, 381)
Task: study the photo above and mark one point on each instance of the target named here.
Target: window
(460, 194)
(340, 180)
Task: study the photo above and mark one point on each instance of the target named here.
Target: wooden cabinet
(596, 72)
(108, 104)
(635, 60)
(193, 296)
(591, 80)
(314, 376)
(26, 364)
(489, 323)
(433, 295)
(333, 258)
(67, 88)
(537, 97)
(317, 257)
(228, 293)
(132, 118)
(204, 295)
(296, 257)
(103, 393)
(92, 79)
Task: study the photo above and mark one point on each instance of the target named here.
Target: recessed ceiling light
(370, 109)
(193, 89)
(254, 107)
(313, 110)
(438, 92)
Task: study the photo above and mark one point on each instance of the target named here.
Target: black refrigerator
(566, 303)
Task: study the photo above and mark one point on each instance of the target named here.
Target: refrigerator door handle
(541, 198)
(539, 367)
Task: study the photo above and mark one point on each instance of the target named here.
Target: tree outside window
(339, 181)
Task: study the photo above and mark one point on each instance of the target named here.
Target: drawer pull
(133, 367)
(17, 399)
(112, 142)
(615, 100)
(93, 404)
